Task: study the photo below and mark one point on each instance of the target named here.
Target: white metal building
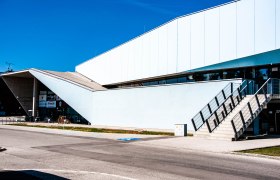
(167, 75)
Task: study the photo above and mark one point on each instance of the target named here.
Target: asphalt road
(51, 156)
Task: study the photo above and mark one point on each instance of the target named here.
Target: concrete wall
(224, 33)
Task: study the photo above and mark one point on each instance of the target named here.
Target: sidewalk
(210, 145)
(179, 143)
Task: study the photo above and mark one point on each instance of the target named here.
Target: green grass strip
(269, 151)
(99, 130)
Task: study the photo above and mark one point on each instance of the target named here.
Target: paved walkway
(180, 143)
(207, 145)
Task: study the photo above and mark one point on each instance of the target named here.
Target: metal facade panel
(212, 36)
(146, 55)
(227, 32)
(123, 60)
(103, 67)
(245, 28)
(184, 44)
(277, 24)
(130, 68)
(197, 40)
(154, 53)
(265, 15)
(138, 56)
(94, 69)
(163, 51)
(200, 39)
(172, 44)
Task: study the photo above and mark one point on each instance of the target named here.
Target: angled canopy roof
(74, 77)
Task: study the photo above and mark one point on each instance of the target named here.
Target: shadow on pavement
(2, 149)
(28, 174)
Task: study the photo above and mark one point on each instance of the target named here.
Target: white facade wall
(153, 107)
(145, 107)
(224, 33)
(277, 34)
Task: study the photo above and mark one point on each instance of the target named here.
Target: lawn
(99, 130)
(269, 151)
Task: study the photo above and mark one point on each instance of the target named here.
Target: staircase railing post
(250, 109)
(239, 92)
(216, 99)
(231, 108)
(264, 93)
(210, 110)
(234, 128)
(215, 123)
(231, 98)
(225, 109)
(217, 117)
(202, 116)
(257, 99)
(242, 118)
(247, 87)
(223, 92)
(194, 125)
(238, 101)
(208, 126)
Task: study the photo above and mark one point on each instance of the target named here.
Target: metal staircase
(242, 120)
(231, 120)
(221, 105)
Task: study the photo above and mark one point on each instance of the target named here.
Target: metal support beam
(34, 97)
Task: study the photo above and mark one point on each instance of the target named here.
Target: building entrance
(51, 108)
(269, 119)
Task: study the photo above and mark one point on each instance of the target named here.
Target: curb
(256, 155)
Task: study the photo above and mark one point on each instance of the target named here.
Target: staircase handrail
(249, 107)
(208, 107)
(225, 112)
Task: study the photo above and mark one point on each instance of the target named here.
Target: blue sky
(59, 34)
